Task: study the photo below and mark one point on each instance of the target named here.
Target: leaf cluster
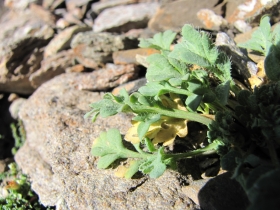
(179, 87)
(193, 82)
(267, 42)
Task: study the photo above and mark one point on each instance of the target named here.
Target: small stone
(123, 18)
(63, 39)
(76, 68)
(129, 56)
(174, 15)
(130, 87)
(210, 20)
(15, 107)
(98, 7)
(95, 49)
(51, 67)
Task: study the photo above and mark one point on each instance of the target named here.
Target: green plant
(15, 188)
(18, 133)
(169, 100)
(193, 83)
(16, 191)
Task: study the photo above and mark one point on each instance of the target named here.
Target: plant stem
(209, 149)
(176, 113)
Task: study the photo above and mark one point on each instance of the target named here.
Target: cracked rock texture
(57, 156)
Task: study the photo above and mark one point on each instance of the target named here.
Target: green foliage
(18, 133)
(193, 83)
(17, 193)
(267, 42)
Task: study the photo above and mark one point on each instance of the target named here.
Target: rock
(215, 194)
(130, 87)
(62, 40)
(52, 4)
(123, 18)
(211, 20)
(129, 56)
(99, 6)
(241, 63)
(51, 67)
(15, 107)
(94, 49)
(23, 36)
(173, 15)
(56, 156)
(18, 4)
(253, 10)
(193, 189)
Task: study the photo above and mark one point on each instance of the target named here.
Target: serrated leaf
(193, 101)
(160, 69)
(181, 52)
(272, 63)
(150, 146)
(175, 81)
(178, 65)
(261, 39)
(228, 161)
(222, 92)
(107, 160)
(144, 126)
(109, 147)
(151, 89)
(159, 41)
(133, 168)
(154, 166)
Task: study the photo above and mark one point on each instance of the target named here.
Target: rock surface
(65, 174)
(56, 154)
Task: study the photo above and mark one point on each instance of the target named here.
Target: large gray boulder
(56, 155)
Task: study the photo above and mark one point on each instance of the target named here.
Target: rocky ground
(57, 57)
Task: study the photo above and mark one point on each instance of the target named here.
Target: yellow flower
(164, 130)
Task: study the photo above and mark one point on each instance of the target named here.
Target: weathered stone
(15, 107)
(62, 40)
(242, 65)
(98, 7)
(129, 56)
(211, 20)
(253, 10)
(56, 156)
(52, 4)
(21, 50)
(124, 18)
(51, 67)
(75, 68)
(130, 87)
(19, 4)
(175, 14)
(94, 49)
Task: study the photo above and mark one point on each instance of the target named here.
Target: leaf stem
(176, 113)
(209, 149)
